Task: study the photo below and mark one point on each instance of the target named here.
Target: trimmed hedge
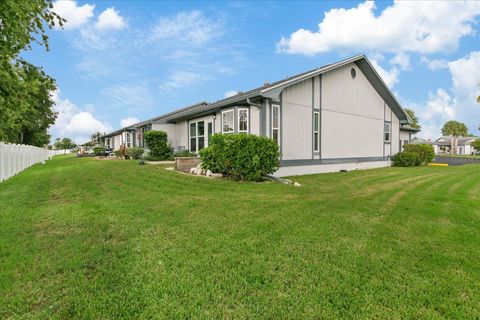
(135, 153)
(157, 142)
(406, 159)
(425, 152)
(241, 156)
(414, 155)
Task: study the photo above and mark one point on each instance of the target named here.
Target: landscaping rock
(209, 173)
(296, 184)
(217, 175)
(193, 170)
(170, 168)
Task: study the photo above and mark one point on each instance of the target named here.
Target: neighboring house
(444, 145)
(338, 117)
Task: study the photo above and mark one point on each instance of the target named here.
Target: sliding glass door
(197, 136)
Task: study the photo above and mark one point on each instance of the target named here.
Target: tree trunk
(452, 145)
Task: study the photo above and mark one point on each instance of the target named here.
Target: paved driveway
(454, 161)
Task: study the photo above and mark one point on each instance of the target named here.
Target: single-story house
(444, 145)
(341, 116)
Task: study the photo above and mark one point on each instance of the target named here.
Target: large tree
(25, 90)
(454, 129)
(64, 144)
(414, 118)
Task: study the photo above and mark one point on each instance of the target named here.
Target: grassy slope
(81, 238)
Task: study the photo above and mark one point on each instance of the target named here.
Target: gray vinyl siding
(182, 134)
(254, 119)
(296, 121)
(353, 116)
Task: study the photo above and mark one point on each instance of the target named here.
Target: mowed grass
(83, 238)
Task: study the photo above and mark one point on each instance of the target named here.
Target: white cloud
(405, 26)
(189, 26)
(74, 123)
(136, 96)
(230, 93)
(435, 64)
(458, 104)
(128, 121)
(390, 77)
(75, 15)
(110, 19)
(180, 79)
(402, 60)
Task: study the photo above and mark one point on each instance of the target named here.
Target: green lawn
(82, 238)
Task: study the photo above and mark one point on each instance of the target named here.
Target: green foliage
(117, 153)
(406, 159)
(135, 152)
(455, 129)
(157, 142)
(476, 144)
(414, 118)
(64, 144)
(99, 151)
(241, 156)
(185, 153)
(25, 90)
(425, 152)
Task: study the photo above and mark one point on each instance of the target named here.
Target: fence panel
(15, 158)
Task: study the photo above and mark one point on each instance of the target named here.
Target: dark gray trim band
(307, 162)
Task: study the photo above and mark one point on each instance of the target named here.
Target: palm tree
(454, 129)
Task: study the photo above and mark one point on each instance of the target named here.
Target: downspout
(250, 103)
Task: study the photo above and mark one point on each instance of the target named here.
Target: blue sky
(120, 61)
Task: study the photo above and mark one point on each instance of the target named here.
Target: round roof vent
(353, 73)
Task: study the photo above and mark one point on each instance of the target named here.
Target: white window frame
(128, 140)
(279, 122)
(316, 132)
(389, 140)
(232, 111)
(197, 136)
(247, 119)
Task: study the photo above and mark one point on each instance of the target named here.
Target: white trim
(238, 119)
(233, 120)
(278, 124)
(389, 131)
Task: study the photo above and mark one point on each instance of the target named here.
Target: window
(197, 136)
(227, 121)
(210, 129)
(193, 137)
(316, 131)
(243, 120)
(276, 123)
(129, 139)
(387, 133)
(201, 135)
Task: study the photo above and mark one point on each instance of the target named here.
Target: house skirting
(301, 169)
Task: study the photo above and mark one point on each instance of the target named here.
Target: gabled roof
(272, 90)
(447, 140)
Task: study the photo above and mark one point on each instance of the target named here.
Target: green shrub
(157, 142)
(99, 151)
(406, 159)
(425, 152)
(135, 152)
(117, 153)
(241, 156)
(185, 153)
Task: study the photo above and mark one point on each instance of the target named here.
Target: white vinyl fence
(15, 158)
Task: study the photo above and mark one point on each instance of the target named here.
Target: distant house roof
(447, 140)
